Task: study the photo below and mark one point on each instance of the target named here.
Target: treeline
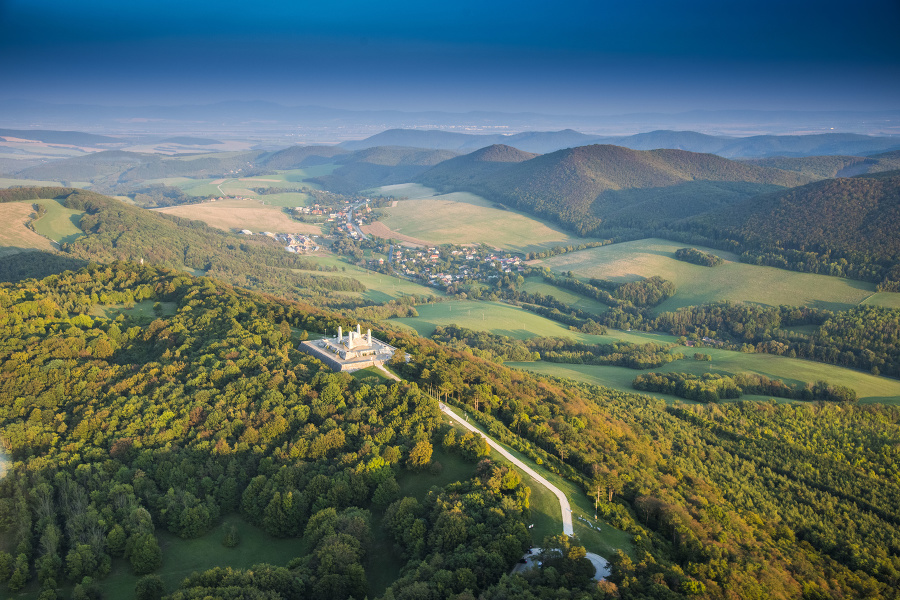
(644, 293)
(697, 257)
(557, 250)
(560, 350)
(712, 387)
(864, 337)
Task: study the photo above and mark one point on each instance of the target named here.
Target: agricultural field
(503, 319)
(885, 299)
(6, 182)
(536, 285)
(463, 218)
(870, 388)
(15, 237)
(232, 215)
(60, 224)
(735, 281)
(379, 287)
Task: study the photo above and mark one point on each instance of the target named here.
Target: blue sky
(580, 57)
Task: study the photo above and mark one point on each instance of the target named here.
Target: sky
(588, 57)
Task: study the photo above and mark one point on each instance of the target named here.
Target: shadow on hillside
(31, 263)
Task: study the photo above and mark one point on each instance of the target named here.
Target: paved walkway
(601, 565)
(563, 501)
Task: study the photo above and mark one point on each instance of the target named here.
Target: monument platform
(351, 352)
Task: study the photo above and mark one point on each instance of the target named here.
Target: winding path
(563, 501)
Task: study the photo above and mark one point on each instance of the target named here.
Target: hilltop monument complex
(351, 352)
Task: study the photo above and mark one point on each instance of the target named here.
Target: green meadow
(536, 285)
(735, 281)
(60, 224)
(794, 371)
(503, 319)
(464, 218)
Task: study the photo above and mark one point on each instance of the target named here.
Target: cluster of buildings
(442, 267)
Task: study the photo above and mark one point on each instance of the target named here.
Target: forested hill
(567, 185)
(120, 428)
(300, 156)
(473, 167)
(383, 165)
(117, 231)
(826, 167)
(858, 215)
(758, 146)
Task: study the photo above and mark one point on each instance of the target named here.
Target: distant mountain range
(729, 147)
(273, 121)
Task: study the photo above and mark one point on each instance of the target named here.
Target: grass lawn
(870, 388)
(464, 218)
(183, 557)
(373, 376)
(232, 215)
(736, 281)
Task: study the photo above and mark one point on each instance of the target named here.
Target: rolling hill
(856, 214)
(759, 146)
(384, 165)
(296, 157)
(582, 187)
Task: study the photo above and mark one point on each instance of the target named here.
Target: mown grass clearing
(183, 557)
(794, 371)
(234, 215)
(735, 281)
(464, 218)
(59, 223)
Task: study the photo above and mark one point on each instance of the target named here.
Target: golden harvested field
(234, 215)
(464, 218)
(379, 229)
(14, 236)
